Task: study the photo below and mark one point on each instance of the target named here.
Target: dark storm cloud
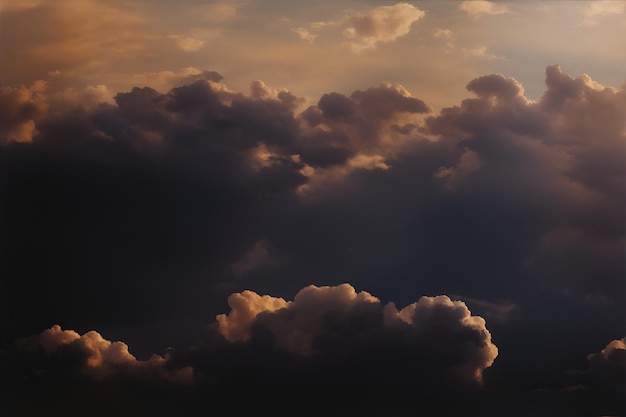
(162, 204)
(559, 159)
(333, 344)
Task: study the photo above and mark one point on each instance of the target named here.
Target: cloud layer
(164, 203)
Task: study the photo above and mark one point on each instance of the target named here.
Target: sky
(313, 208)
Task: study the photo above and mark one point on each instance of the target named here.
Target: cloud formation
(598, 9)
(21, 107)
(96, 357)
(608, 366)
(177, 198)
(503, 135)
(382, 24)
(365, 31)
(338, 320)
(478, 8)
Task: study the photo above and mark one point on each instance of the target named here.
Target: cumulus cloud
(503, 134)
(468, 163)
(478, 8)
(166, 80)
(99, 358)
(523, 195)
(329, 320)
(382, 24)
(21, 106)
(608, 366)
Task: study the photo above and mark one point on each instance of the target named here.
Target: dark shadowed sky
(336, 208)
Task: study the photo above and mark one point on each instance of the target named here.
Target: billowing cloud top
(499, 197)
(99, 358)
(324, 319)
(608, 367)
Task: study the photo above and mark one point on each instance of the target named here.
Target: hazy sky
(313, 208)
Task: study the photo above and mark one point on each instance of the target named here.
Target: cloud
(97, 357)
(305, 34)
(257, 256)
(69, 35)
(446, 36)
(598, 9)
(186, 43)
(382, 24)
(608, 366)
(469, 162)
(21, 106)
(505, 132)
(496, 311)
(166, 80)
(480, 51)
(479, 8)
(149, 200)
(330, 320)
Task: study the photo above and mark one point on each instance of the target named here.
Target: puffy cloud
(245, 306)
(498, 311)
(155, 189)
(366, 121)
(468, 163)
(478, 8)
(576, 131)
(331, 320)
(382, 24)
(166, 80)
(99, 358)
(608, 367)
(21, 106)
